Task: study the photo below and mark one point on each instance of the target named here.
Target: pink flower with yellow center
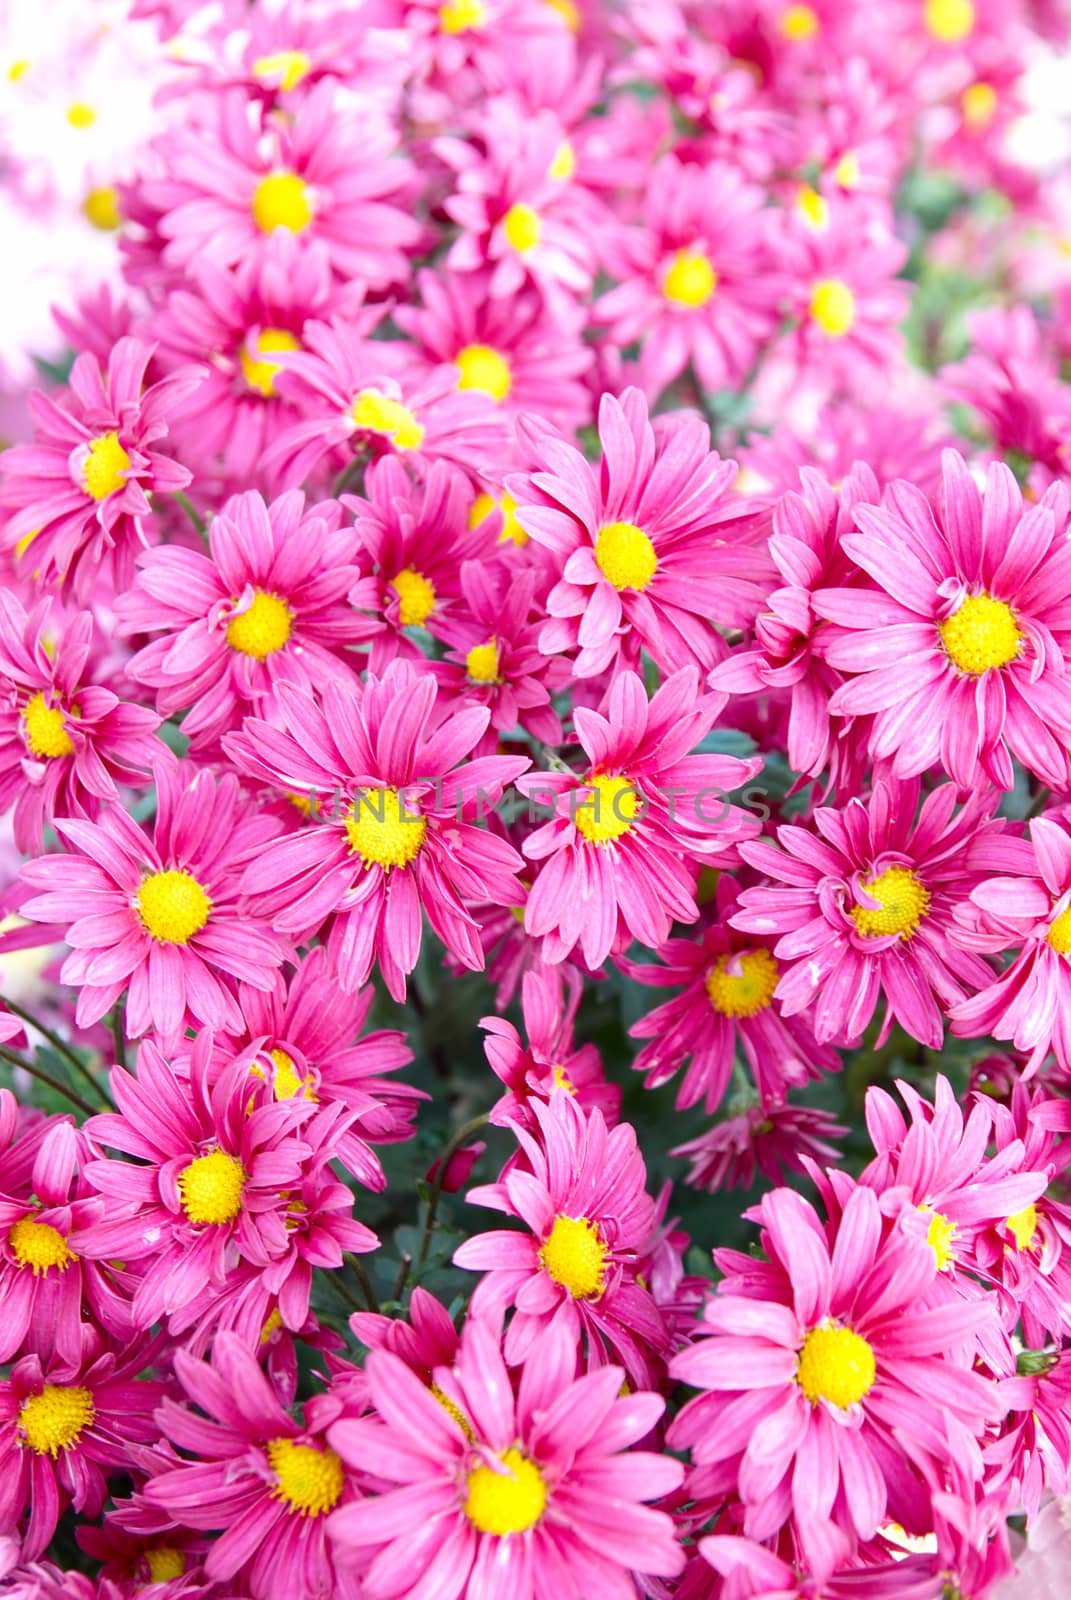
(551, 1059)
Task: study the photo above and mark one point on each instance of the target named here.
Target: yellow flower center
(562, 1080)
(979, 105)
(846, 172)
(506, 1502)
(833, 307)
(382, 832)
(79, 115)
(568, 11)
(609, 811)
(483, 368)
(101, 208)
(575, 1256)
(272, 1323)
(416, 597)
(283, 70)
(376, 412)
(484, 504)
(522, 227)
(939, 1237)
(1023, 1226)
(747, 993)
(799, 22)
(452, 1410)
(1059, 934)
(164, 1564)
(949, 20)
(482, 662)
(104, 467)
(285, 1080)
(18, 70)
(903, 901)
(39, 1246)
(54, 1419)
(836, 1364)
(812, 208)
(564, 164)
(211, 1188)
(172, 906)
(46, 733)
(461, 16)
(258, 373)
(262, 628)
(625, 555)
(308, 1479)
(982, 634)
(690, 280)
(281, 200)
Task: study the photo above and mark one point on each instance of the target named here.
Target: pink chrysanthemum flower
(816, 1363)
(210, 1184)
(1025, 904)
(267, 603)
(65, 1428)
(787, 652)
(46, 1288)
(862, 907)
(79, 493)
(500, 1490)
(771, 1139)
(961, 648)
(399, 842)
(329, 174)
(66, 743)
(413, 540)
(236, 322)
(728, 983)
(552, 1059)
(509, 346)
(494, 657)
(894, 441)
(355, 394)
(619, 855)
(643, 541)
(426, 1341)
(159, 915)
(266, 1481)
(581, 1194)
(699, 283)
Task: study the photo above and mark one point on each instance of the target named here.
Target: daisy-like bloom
(79, 492)
(961, 647)
(208, 1187)
(644, 541)
(399, 841)
(1023, 904)
(494, 657)
(328, 174)
(771, 1139)
(46, 1288)
(266, 603)
(1029, 1250)
(467, 49)
(518, 212)
(621, 849)
(552, 1059)
(265, 1480)
(510, 346)
(66, 743)
(158, 914)
(699, 282)
(65, 1428)
(862, 907)
(727, 982)
(236, 322)
(495, 1489)
(787, 652)
(358, 396)
(581, 1194)
(426, 1341)
(816, 1362)
(414, 538)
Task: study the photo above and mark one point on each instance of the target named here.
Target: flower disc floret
(211, 1188)
(509, 1501)
(903, 901)
(165, 1563)
(106, 464)
(282, 200)
(482, 662)
(833, 307)
(376, 412)
(310, 1480)
(39, 1246)
(259, 373)
(382, 831)
(262, 628)
(416, 597)
(46, 731)
(690, 280)
(522, 228)
(609, 812)
(747, 992)
(574, 1255)
(983, 634)
(1059, 934)
(949, 21)
(625, 556)
(836, 1364)
(172, 906)
(55, 1419)
(483, 368)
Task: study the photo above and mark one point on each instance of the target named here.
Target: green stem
(349, 474)
(403, 1276)
(119, 1033)
(354, 1263)
(463, 1134)
(194, 515)
(18, 1060)
(334, 1278)
(1038, 804)
(62, 1048)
